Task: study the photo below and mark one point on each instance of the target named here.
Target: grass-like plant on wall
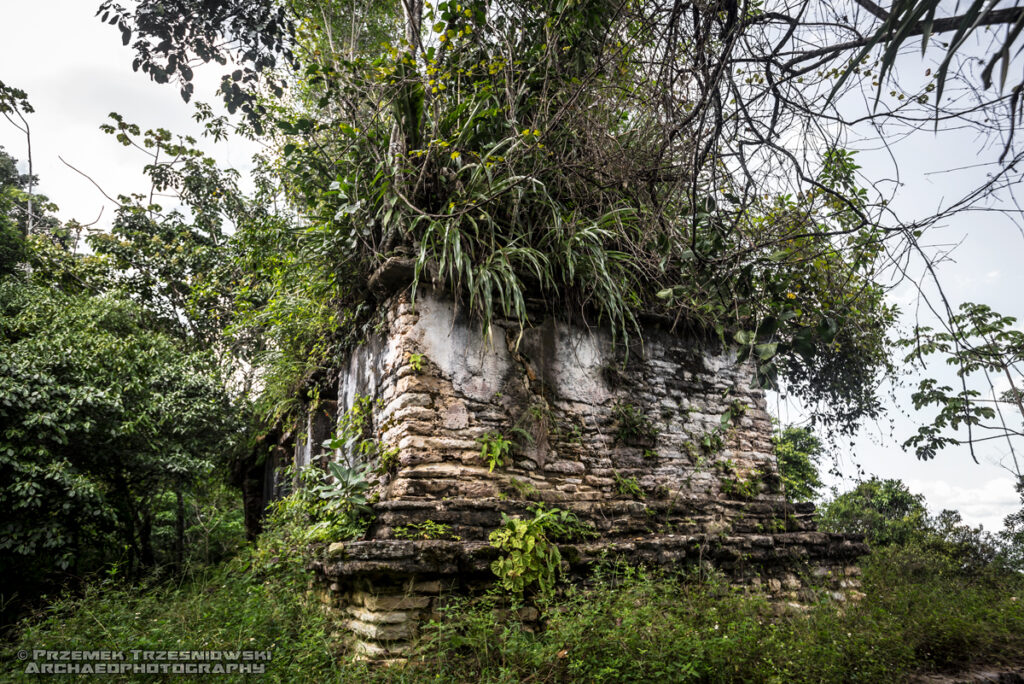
(428, 529)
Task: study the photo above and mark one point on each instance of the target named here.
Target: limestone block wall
(586, 414)
(661, 445)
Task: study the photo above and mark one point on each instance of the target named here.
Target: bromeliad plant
(347, 493)
(324, 507)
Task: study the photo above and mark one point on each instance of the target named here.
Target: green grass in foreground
(921, 614)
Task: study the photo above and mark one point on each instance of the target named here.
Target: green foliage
(228, 271)
(725, 466)
(12, 248)
(633, 425)
(628, 486)
(416, 361)
(713, 441)
(525, 490)
(347, 493)
(237, 605)
(214, 527)
(733, 412)
(428, 529)
(1012, 534)
(117, 415)
(981, 345)
(920, 614)
(530, 559)
(103, 418)
(884, 511)
(254, 36)
(798, 453)
(630, 625)
(324, 507)
(180, 264)
(741, 488)
(500, 158)
(735, 486)
(19, 202)
(388, 460)
(888, 514)
(495, 450)
(354, 436)
(12, 235)
(295, 310)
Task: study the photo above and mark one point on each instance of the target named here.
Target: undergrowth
(247, 603)
(920, 614)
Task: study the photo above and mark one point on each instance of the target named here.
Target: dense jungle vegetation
(614, 163)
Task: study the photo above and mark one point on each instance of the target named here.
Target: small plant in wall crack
(524, 490)
(741, 489)
(495, 450)
(416, 361)
(735, 486)
(388, 460)
(726, 467)
(733, 412)
(713, 441)
(628, 486)
(634, 428)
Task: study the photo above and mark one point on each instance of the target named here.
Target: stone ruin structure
(664, 448)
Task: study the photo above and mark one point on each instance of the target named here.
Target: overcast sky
(76, 71)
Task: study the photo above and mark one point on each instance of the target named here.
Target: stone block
(396, 632)
(411, 414)
(427, 587)
(565, 467)
(456, 416)
(396, 602)
(378, 617)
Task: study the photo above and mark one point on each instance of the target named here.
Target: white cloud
(986, 504)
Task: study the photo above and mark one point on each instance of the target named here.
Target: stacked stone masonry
(630, 437)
